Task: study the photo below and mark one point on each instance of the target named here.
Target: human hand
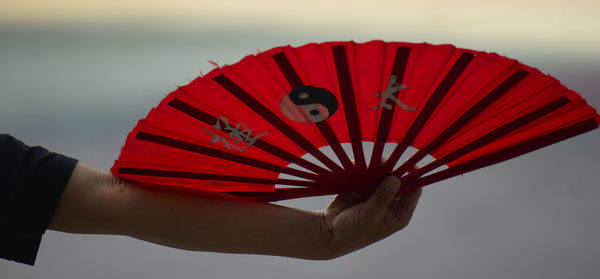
(346, 227)
(96, 202)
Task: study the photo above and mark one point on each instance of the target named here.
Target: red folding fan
(239, 127)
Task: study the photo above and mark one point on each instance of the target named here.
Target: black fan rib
(503, 154)
(294, 81)
(491, 136)
(276, 151)
(179, 144)
(268, 115)
(347, 92)
(212, 177)
(471, 113)
(386, 117)
(434, 100)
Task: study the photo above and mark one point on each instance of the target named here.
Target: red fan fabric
(240, 127)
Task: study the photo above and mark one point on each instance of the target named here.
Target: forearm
(194, 221)
(215, 222)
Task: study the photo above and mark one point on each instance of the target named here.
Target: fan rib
(490, 137)
(329, 135)
(434, 100)
(503, 154)
(347, 93)
(484, 161)
(284, 194)
(294, 81)
(175, 143)
(386, 117)
(209, 119)
(287, 70)
(475, 110)
(265, 113)
(213, 177)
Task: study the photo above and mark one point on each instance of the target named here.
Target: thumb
(377, 205)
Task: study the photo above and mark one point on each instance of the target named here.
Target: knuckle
(382, 198)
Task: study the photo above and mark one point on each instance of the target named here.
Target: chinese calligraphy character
(392, 87)
(238, 134)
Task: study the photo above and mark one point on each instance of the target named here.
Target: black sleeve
(32, 180)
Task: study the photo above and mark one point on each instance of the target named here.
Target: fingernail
(391, 184)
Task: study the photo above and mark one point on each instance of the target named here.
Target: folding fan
(239, 128)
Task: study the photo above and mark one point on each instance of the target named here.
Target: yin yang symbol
(309, 104)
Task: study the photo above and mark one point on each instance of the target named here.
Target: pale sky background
(75, 76)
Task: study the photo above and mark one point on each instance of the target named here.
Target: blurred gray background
(75, 76)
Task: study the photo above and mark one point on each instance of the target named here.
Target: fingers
(377, 205)
(341, 202)
(403, 209)
(409, 200)
(349, 226)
